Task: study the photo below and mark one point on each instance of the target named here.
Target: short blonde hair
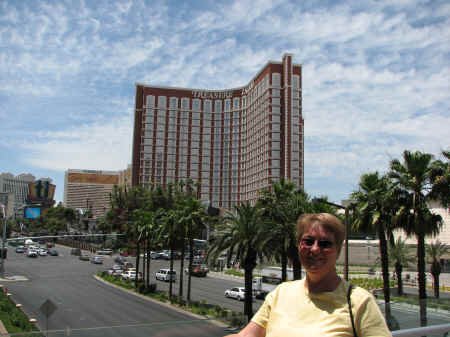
(328, 221)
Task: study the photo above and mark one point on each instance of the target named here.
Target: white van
(166, 275)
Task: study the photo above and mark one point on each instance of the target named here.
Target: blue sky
(376, 77)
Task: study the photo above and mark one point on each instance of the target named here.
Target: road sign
(48, 308)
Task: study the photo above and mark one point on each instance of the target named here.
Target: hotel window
(227, 105)
(150, 101)
(207, 106)
(218, 106)
(276, 92)
(236, 103)
(195, 119)
(276, 80)
(196, 104)
(296, 81)
(185, 103)
(276, 101)
(162, 101)
(173, 103)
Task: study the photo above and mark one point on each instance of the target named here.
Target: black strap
(350, 308)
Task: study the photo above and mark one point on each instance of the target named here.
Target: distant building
(232, 142)
(18, 187)
(89, 190)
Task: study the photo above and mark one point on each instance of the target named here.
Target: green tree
(400, 256)
(374, 212)
(440, 179)
(435, 251)
(282, 203)
(242, 234)
(413, 177)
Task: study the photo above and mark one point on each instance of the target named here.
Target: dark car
(20, 249)
(119, 260)
(53, 252)
(75, 251)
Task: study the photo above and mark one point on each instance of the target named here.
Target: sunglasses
(323, 244)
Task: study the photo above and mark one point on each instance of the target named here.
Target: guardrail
(443, 329)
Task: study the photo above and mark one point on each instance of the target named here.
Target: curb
(167, 305)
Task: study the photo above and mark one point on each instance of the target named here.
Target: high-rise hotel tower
(233, 142)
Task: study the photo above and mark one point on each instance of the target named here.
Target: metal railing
(442, 329)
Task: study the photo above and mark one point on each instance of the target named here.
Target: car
(32, 253)
(42, 252)
(198, 270)
(75, 251)
(155, 255)
(84, 257)
(119, 260)
(97, 259)
(127, 265)
(130, 275)
(20, 249)
(236, 293)
(115, 270)
(166, 275)
(104, 252)
(52, 252)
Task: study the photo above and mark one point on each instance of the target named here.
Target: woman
(318, 304)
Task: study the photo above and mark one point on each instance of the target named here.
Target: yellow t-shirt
(291, 311)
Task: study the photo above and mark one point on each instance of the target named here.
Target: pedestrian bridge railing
(435, 330)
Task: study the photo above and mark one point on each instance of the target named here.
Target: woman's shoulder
(359, 294)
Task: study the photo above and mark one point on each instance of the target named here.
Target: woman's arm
(251, 330)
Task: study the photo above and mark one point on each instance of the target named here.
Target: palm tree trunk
(436, 285)
(248, 303)
(171, 270)
(422, 280)
(180, 288)
(144, 259)
(191, 258)
(384, 264)
(296, 265)
(249, 266)
(398, 271)
(148, 264)
(138, 256)
(284, 261)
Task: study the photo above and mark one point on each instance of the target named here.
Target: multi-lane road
(88, 307)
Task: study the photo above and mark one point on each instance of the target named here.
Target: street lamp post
(347, 225)
(2, 267)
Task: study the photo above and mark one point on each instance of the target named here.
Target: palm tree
(399, 255)
(282, 203)
(440, 177)
(242, 234)
(435, 251)
(414, 178)
(374, 213)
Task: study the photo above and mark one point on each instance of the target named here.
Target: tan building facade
(232, 142)
(89, 190)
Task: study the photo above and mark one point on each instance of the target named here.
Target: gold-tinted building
(89, 190)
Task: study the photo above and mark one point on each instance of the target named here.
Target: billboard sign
(32, 212)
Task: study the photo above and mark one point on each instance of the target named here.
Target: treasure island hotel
(232, 142)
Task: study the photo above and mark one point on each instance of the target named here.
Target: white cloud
(104, 145)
